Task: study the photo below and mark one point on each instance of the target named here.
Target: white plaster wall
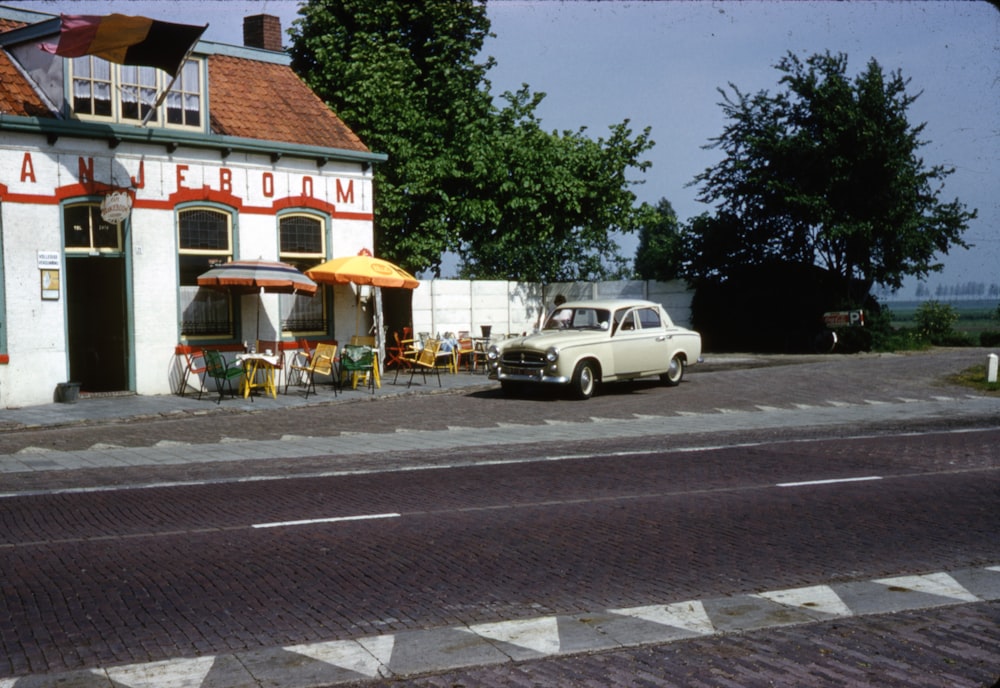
(154, 311)
(35, 329)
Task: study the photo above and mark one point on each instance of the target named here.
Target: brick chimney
(262, 31)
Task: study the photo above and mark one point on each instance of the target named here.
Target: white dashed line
(831, 482)
(313, 521)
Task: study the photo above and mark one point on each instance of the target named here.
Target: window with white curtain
(302, 240)
(205, 238)
(126, 93)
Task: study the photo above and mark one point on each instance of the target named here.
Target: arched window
(302, 241)
(204, 238)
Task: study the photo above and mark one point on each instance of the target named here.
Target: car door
(655, 349)
(630, 343)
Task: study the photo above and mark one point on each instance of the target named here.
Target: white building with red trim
(240, 161)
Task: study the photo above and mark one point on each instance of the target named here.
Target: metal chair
(217, 368)
(275, 347)
(427, 359)
(323, 361)
(357, 360)
(191, 367)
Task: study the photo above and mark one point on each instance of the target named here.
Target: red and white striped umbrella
(254, 276)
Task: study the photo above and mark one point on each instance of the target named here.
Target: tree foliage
(463, 174)
(824, 172)
(659, 255)
(540, 205)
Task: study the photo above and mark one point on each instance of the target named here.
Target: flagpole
(162, 96)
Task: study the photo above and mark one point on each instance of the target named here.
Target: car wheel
(675, 374)
(584, 380)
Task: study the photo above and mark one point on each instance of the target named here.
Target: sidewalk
(99, 408)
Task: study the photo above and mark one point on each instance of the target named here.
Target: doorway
(97, 322)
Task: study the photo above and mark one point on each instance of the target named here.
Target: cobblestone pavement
(941, 647)
(110, 441)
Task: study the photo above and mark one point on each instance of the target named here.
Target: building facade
(113, 201)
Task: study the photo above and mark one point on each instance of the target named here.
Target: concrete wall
(441, 306)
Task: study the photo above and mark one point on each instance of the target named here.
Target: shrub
(935, 320)
(989, 338)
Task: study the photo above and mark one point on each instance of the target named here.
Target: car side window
(649, 318)
(625, 320)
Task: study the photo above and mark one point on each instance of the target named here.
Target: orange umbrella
(363, 268)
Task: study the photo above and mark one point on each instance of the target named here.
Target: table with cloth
(258, 373)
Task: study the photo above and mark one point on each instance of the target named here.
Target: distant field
(973, 316)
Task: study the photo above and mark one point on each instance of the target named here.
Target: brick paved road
(851, 380)
(157, 573)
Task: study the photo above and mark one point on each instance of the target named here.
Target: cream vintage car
(585, 343)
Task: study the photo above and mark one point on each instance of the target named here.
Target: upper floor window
(205, 237)
(127, 94)
(302, 243)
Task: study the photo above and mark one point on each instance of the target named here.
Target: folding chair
(299, 363)
(426, 360)
(358, 360)
(217, 368)
(191, 367)
(275, 348)
(322, 362)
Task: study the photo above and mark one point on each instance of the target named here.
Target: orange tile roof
(17, 97)
(247, 99)
(266, 101)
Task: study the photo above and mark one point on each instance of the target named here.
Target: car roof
(609, 304)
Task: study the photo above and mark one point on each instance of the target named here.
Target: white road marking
(177, 673)
(313, 521)
(352, 655)
(691, 616)
(831, 481)
(821, 598)
(940, 584)
(540, 635)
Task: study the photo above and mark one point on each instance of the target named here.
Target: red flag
(126, 40)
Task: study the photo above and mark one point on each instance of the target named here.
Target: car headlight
(552, 354)
(493, 353)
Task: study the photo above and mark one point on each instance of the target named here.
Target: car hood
(561, 339)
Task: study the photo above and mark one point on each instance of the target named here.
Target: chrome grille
(531, 360)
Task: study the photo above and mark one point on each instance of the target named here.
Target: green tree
(540, 205)
(403, 76)
(660, 251)
(463, 174)
(824, 173)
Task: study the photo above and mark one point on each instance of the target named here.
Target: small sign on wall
(48, 266)
(50, 285)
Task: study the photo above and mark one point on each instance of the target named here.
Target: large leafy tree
(403, 76)
(463, 174)
(540, 205)
(824, 173)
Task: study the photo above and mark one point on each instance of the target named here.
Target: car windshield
(578, 319)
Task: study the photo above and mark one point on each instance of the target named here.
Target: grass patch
(975, 377)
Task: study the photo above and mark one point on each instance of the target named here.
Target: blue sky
(660, 64)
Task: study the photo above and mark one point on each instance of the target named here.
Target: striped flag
(126, 40)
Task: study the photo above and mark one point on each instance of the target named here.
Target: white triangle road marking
(821, 598)
(540, 635)
(176, 673)
(353, 655)
(940, 584)
(690, 616)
